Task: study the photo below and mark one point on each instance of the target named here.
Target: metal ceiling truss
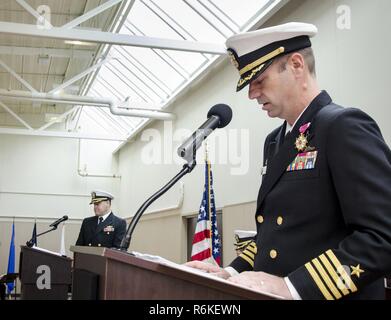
(109, 38)
(59, 134)
(69, 31)
(106, 39)
(54, 53)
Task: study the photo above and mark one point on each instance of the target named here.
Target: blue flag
(11, 259)
(34, 235)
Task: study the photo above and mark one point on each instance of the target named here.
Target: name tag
(303, 161)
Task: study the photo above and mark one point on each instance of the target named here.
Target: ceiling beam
(15, 116)
(58, 134)
(36, 74)
(90, 14)
(54, 53)
(17, 76)
(111, 38)
(78, 76)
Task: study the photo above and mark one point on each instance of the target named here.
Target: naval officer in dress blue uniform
(104, 229)
(323, 209)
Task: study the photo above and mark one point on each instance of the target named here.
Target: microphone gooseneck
(219, 116)
(53, 227)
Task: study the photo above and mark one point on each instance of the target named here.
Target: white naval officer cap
(243, 238)
(98, 196)
(253, 52)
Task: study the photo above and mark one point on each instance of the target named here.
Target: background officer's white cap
(243, 238)
(98, 196)
(252, 52)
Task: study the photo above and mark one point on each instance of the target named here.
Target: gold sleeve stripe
(243, 244)
(334, 275)
(326, 278)
(252, 245)
(348, 281)
(318, 282)
(249, 254)
(251, 249)
(251, 262)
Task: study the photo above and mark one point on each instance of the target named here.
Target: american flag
(206, 240)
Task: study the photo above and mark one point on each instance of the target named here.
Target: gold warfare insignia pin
(356, 271)
(233, 59)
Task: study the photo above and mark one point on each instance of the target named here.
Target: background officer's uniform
(324, 213)
(242, 239)
(108, 233)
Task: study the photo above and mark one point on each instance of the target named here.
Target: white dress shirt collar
(289, 127)
(104, 216)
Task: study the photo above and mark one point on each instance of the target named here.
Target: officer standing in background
(104, 229)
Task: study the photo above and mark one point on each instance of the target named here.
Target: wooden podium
(124, 276)
(60, 274)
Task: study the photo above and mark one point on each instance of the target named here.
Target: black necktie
(100, 220)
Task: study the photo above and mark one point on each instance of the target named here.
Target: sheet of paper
(201, 273)
(45, 250)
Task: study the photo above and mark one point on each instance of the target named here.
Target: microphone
(54, 225)
(58, 221)
(219, 116)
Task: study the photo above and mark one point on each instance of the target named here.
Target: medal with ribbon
(302, 141)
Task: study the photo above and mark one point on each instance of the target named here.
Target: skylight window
(151, 77)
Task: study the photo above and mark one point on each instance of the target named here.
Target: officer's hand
(263, 282)
(209, 268)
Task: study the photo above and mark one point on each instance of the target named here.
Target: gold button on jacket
(273, 254)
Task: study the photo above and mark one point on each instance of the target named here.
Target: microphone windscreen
(65, 218)
(222, 111)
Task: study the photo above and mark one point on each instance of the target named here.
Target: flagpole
(209, 213)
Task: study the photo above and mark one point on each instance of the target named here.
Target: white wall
(39, 178)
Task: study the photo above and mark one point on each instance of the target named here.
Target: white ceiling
(147, 78)
(44, 71)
